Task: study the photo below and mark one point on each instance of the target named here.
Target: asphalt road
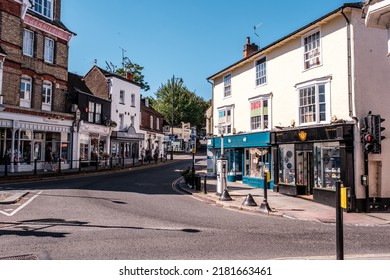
(138, 215)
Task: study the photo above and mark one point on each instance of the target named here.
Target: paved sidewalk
(279, 204)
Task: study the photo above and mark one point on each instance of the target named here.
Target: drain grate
(21, 257)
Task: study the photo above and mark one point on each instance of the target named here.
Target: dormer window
(43, 7)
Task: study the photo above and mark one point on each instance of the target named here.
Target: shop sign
(302, 135)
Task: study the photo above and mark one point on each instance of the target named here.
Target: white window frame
(227, 85)
(47, 95)
(49, 50)
(261, 71)
(122, 96)
(157, 123)
(225, 120)
(43, 7)
(262, 120)
(91, 111)
(151, 122)
(311, 112)
(28, 42)
(98, 113)
(312, 52)
(25, 91)
(1, 82)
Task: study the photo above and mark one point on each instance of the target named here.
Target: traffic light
(368, 143)
(377, 133)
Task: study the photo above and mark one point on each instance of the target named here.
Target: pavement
(276, 204)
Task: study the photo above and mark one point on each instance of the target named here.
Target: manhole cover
(21, 257)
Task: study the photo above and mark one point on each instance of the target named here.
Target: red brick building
(33, 83)
(152, 127)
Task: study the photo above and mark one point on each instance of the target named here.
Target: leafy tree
(129, 66)
(187, 106)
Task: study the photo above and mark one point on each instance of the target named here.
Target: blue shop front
(248, 155)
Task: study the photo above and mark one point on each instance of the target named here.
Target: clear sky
(189, 39)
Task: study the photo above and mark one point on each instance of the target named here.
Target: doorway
(304, 159)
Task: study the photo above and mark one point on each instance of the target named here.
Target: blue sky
(189, 39)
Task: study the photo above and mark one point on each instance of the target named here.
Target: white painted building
(296, 107)
(125, 96)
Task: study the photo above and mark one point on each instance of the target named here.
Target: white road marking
(21, 206)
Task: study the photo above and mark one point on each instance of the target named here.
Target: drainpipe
(349, 64)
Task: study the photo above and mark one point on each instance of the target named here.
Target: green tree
(134, 68)
(185, 106)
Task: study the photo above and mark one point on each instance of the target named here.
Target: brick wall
(16, 64)
(97, 83)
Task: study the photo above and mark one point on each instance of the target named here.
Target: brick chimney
(250, 48)
(130, 76)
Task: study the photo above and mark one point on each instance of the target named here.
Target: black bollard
(264, 207)
(339, 224)
(79, 164)
(205, 185)
(35, 166)
(6, 166)
(59, 165)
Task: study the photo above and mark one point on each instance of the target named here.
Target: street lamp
(173, 93)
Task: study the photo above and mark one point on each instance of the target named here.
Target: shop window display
(256, 162)
(286, 164)
(327, 165)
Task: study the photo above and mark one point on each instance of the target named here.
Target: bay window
(314, 103)
(259, 113)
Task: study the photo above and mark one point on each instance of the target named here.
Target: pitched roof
(357, 5)
(109, 74)
(77, 84)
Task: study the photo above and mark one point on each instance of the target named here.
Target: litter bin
(197, 183)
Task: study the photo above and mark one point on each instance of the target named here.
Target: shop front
(248, 155)
(309, 161)
(125, 146)
(93, 142)
(24, 144)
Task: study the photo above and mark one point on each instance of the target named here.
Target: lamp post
(173, 107)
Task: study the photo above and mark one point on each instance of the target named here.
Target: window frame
(48, 53)
(47, 95)
(132, 100)
(227, 86)
(98, 113)
(91, 111)
(313, 60)
(122, 96)
(321, 112)
(28, 42)
(43, 7)
(264, 120)
(227, 122)
(121, 121)
(26, 81)
(261, 71)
